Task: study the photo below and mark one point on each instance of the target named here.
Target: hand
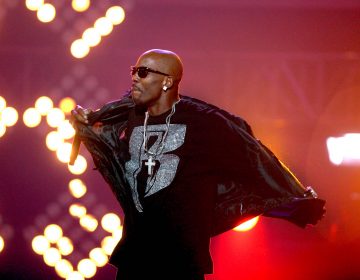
(80, 114)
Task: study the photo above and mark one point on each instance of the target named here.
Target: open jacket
(268, 187)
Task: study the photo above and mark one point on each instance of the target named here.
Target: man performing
(183, 171)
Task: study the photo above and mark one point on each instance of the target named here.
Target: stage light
(103, 26)
(77, 210)
(53, 233)
(2, 129)
(116, 15)
(91, 37)
(31, 117)
(2, 244)
(110, 222)
(108, 244)
(34, 5)
(99, 257)
(46, 13)
(40, 244)
(54, 140)
(344, 150)
(44, 104)
(248, 225)
(55, 117)
(9, 116)
(77, 188)
(52, 256)
(80, 5)
(88, 222)
(2, 103)
(67, 104)
(75, 275)
(79, 48)
(63, 152)
(65, 246)
(65, 130)
(79, 166)
(63, 268)
(87, 268)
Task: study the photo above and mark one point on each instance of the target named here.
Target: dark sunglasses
(143, 71)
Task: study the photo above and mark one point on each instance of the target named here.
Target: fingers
(80, 114)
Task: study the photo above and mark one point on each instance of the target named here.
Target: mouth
(135, 89)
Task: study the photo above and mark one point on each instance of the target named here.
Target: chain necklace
(153, 155)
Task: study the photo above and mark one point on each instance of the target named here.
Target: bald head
(166, 62)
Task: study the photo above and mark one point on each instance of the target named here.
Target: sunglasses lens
(142, 72)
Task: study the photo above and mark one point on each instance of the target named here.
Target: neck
(163, 106)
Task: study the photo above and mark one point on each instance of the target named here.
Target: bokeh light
(2, 129)
(66, 130)
(75, 275)
(55, 117)
(110, 222)
(99, 257)
(46, 13)
(65, 246)
(31, 117)
(79, 166)
(54, 140)
(40, 244)
(108, 244)
(44, 104)
(103, 26)
(52, 256)
(77, 188)
(53, 233)
(91, 37)
(63, 152)
(248, 225)
(117, 233)
(67, 104)
(2, 103)
(80, 5)
(2, 244)
(9, 116)
(116, 15)
(63, 268)
(87, 268)
(34, 5)
(79, 48)
(77, 210)
(89, 222)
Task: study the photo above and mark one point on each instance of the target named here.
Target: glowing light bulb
(2, 129)
(2, 244)
(89, 223)
(116, 15)
(54, 140)
(31, 117)
(79, 166)
(65, 246)
(77, 210)
(46, 13)
(67, 104)
(87, 268)
(108, 244)
(110, 222)
(9, 116)
(103, 26)
(99, 257)
(63, 152)
(34, 5)
(63, 268)
(66, 130)
(52, 256)
(44, 104)
(75, 275)
(53, 233)
(40, 244)
(80, 5)
(91, 37)
(79, 48)
(55, 117)
(77, 188)
(2, 103)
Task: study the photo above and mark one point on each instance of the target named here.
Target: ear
(168, 81)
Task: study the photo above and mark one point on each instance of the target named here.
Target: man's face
(147, 91)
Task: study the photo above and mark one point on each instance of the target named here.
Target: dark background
(290, 68)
